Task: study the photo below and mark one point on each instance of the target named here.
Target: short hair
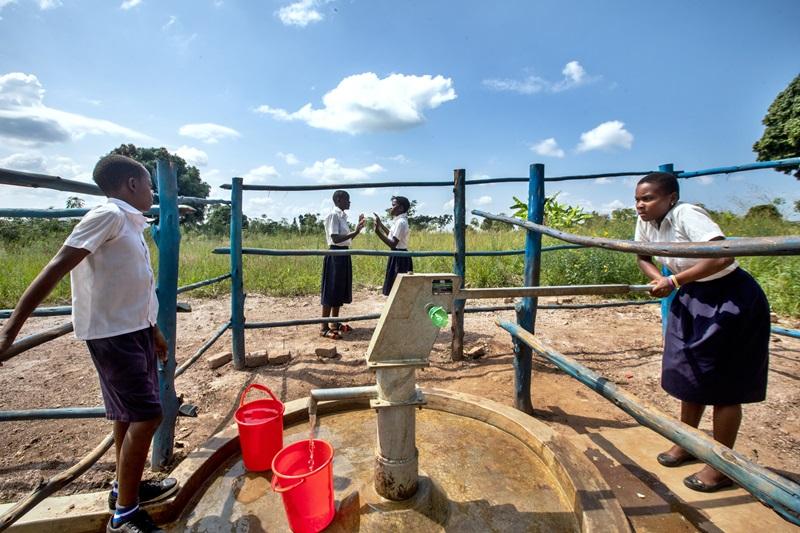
(665, 181)
(402, 201)
(111, 172)
(338, 195)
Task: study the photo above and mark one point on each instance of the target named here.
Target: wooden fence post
(666, 301)
(237, 277)
(526, 307)
(459, 262)
(168, 238)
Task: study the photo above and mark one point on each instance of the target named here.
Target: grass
(291, 276)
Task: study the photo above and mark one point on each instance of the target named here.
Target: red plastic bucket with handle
(307, 494)
(260, 429)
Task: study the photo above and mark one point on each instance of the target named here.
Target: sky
(345, 91)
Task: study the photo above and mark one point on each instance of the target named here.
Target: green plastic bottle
(437, 314)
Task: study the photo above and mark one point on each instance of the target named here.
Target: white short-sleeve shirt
(336, 224)
(683, 223)
(113, 290)
(400, 230)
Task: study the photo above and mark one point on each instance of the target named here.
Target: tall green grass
(291, 276)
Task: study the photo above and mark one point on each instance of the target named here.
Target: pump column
(396, 459)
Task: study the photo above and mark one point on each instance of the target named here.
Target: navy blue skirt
(716, 349)
(337, 279)
(396, 265)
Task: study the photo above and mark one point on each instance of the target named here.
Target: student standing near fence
(717, 338)
(114, 309)
(337, 270)
(395, 238)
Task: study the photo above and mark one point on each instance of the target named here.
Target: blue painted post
(666, 302)
(168, 238)
(526, 308)
(460, 260)
(237, 278)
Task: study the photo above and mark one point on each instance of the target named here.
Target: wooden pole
(237, 277)
(459, 261)
(31, 341)
(666, 302)
(168, 238)
(526, 307)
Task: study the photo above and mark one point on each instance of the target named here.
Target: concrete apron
(577, 478)
(654, 497)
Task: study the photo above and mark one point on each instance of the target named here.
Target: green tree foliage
(781, 138)
(73, 202)
(189, 181)
(556, 215)
(764, 211)
(626, 214)
(218, 221)
(797, 206)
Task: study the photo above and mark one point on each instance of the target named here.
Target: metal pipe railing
(281, 252)
(203, 283)
(777, 492)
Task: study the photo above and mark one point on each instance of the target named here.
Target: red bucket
(260, 429)
(307, 494)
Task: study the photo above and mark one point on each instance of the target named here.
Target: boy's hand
(161, 347)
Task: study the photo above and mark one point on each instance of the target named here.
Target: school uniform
(716, 346)
(397, 264)
(114, 308)
(337, 271)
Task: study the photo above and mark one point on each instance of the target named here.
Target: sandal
(694, 483)
(330, 334)
(344, 328)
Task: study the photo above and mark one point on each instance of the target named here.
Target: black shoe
(139, 522)
(695, 484)
(150, 491)
(665, 459)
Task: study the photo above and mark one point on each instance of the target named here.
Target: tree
(73, 202)
(189, 182)
(625, 214)
(781, 138)
(218, 221)
(764, 211)
(797, 206)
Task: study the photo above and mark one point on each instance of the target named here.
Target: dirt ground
(622, 344)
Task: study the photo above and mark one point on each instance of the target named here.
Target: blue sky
(341, 91)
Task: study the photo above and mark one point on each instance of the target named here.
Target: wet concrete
(487, 480)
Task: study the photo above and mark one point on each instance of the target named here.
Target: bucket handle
(281, 490)
(259, 387)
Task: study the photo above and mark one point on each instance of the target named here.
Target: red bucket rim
(317, 442)
(280, 408)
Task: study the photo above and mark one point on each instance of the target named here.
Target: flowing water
(312, 422)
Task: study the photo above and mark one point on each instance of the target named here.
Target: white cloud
(449, 204)
(39, 164)
(48, 4)
(705, 180)
(366, 103)
(548, 147)
(300, 13)
(171, 22)
(208, 132)
(193, 156)
(399, 158)
(608, 135)
(129, 4)
(602, 181)
(26, 120)
(483, 200)
(261, 174)
(331, 171)
(574, 76)
(371, 191)
(289, 159)
(612, 206)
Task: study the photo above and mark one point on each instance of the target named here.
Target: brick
(325, 352)
(257, 358)
(280, 359)
(219, 359)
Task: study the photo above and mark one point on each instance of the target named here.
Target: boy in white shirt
(395, 238)
(114, 309)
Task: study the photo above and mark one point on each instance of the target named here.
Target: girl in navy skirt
(717, 337)
(395, 238)
(337, 270)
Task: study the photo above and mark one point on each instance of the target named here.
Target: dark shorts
(396, 265)
(128, 372)
(337, 279)
(716, 348)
